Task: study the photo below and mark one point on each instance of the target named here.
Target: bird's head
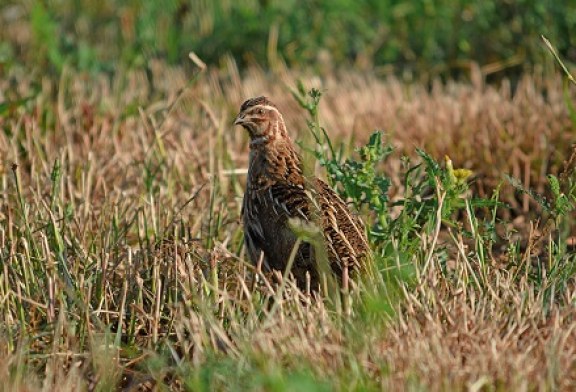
(262, 120)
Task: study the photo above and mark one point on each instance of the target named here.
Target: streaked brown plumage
(277, 190)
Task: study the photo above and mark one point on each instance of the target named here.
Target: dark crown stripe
(256, 101)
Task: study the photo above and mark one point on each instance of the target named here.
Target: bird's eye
(260, 111)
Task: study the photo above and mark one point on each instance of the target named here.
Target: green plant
(428, 187)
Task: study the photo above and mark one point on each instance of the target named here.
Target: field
(121, 245)
(122, 248)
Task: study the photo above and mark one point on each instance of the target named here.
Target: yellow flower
(462, 174)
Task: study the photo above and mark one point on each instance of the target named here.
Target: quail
(277, 190)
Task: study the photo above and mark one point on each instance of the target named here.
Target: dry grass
(125, 266)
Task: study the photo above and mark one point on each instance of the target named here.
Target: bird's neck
(275, 160)
(275, 131)
(259, 141)
(273, 156)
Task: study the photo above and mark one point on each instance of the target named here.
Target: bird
(277, 193)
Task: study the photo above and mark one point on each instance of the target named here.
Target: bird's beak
(239, 120)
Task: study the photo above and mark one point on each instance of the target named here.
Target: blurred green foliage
(434, 37)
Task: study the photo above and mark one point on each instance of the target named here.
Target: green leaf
(554, 185)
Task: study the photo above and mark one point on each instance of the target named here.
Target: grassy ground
(121, 244)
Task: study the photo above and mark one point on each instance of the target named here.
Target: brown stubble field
(122, 249)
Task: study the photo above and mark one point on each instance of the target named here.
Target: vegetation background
(121, 255)
(419, 40)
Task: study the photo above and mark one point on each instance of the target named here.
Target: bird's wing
(289, 200)
(343, 231)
